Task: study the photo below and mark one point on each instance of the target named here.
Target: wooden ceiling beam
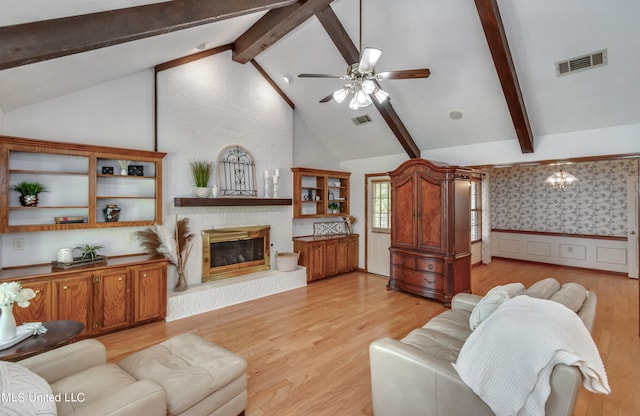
(274, 25)
(28, 43)
(350, 53)
(502, 59)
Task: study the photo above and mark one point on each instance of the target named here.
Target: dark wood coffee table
(58, 333)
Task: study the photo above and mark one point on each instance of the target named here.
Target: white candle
(276, 172)
(266, 174)
(275, 178)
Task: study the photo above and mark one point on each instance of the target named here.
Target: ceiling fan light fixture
(353, 104)
(362, 98)
(380, 95)
(368, 86)
(340, 95)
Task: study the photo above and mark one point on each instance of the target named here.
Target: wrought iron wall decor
(237, 172)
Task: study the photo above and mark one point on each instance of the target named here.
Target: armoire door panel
(403, 211)
(430, 216)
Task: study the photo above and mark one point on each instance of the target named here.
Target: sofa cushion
(571, 295)
(434, 343)
(452, 322)
(543, 289)
(490, 302)
(188, 367)
(89, 385)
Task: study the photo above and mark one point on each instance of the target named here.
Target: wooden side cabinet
(327, 255)
(40, 308)
(73, 296)
(113, 299)
(150, 292)
(123, 293)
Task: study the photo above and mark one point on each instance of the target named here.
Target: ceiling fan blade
(369, 59)
(327, 98)
(404, 74)
(321, 76)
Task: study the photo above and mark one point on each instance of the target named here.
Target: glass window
(381, 206)
(476, 210)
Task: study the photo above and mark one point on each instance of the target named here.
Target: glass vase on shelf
(181, 284)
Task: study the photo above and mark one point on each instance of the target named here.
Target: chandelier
(361, 86)
(561, 179)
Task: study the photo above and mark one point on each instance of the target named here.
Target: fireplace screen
(232, 252)
(226, 253)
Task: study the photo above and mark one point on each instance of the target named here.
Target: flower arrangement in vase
(176, 248)
(11, 293)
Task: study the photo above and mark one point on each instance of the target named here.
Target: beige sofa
(415, 376)
(185, 375)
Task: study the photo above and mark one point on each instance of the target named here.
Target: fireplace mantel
(229, 202)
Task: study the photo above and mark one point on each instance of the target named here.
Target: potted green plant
(29, 192)
(334, 208)
(89, 251)
(201, 171)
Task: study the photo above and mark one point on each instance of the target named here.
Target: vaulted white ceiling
(444, 36)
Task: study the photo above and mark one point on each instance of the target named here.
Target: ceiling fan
(362, 80)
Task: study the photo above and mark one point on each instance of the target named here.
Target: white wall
(308, 151)
(203, 107)
(117, 113)
(606, 141)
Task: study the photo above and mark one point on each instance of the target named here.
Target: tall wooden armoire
(430, 229)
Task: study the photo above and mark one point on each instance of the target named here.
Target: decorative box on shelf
(79, 262)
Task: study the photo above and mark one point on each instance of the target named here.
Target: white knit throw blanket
(507, 361)
(24, 393)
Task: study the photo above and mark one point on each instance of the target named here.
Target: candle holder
(266, 188)
(276, 185)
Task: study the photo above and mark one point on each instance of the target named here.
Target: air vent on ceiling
(361, 120)
(580, 63)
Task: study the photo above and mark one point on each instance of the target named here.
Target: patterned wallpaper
(596, 204)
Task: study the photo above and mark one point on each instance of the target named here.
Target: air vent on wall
(361, 120)
(580, 63)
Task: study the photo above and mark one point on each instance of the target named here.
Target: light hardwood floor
(307, 348)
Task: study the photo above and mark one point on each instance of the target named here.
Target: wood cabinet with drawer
(327, 255)
(417, 274)
(122, 293)
(431, 229)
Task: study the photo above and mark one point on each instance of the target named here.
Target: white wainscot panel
(611, 255)
(590, 253)
(539, 248)
(573, 251)
(509, 245)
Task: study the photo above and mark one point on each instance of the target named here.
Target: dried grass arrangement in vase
(176, 248)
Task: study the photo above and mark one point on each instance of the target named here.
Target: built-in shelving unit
(76, 185)
(320, 193)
